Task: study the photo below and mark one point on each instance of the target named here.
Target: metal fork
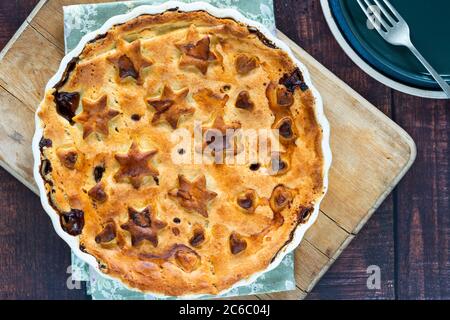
(394, 29)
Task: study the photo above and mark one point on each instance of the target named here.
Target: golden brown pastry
(107, 152)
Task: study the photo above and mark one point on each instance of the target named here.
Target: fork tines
(380, 15)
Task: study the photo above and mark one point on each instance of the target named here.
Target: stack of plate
(394, 66)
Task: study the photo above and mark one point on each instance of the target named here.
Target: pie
(108, 149)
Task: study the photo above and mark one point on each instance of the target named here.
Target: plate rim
(367, 68)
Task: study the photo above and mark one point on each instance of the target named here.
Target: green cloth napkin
(82, 19)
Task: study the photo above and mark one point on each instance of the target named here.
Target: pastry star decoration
(129, 59)
(170, 106)
(142, 225)
(193, 195)
(220, 135)
(134, 166)
(95, 116)
(210, 101)
(195, 50)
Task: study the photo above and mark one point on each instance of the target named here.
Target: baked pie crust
(106, 152)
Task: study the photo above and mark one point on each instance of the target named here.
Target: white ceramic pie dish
(72, 241)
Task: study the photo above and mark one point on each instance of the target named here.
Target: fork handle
(431, 70)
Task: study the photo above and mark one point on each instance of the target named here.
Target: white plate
(72, 241)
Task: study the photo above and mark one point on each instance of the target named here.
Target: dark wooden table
(408, 237)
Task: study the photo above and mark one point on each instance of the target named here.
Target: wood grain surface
(407, 237)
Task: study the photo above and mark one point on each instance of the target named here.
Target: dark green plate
(429, 22)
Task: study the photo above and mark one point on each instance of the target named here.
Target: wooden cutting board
(370, 152)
